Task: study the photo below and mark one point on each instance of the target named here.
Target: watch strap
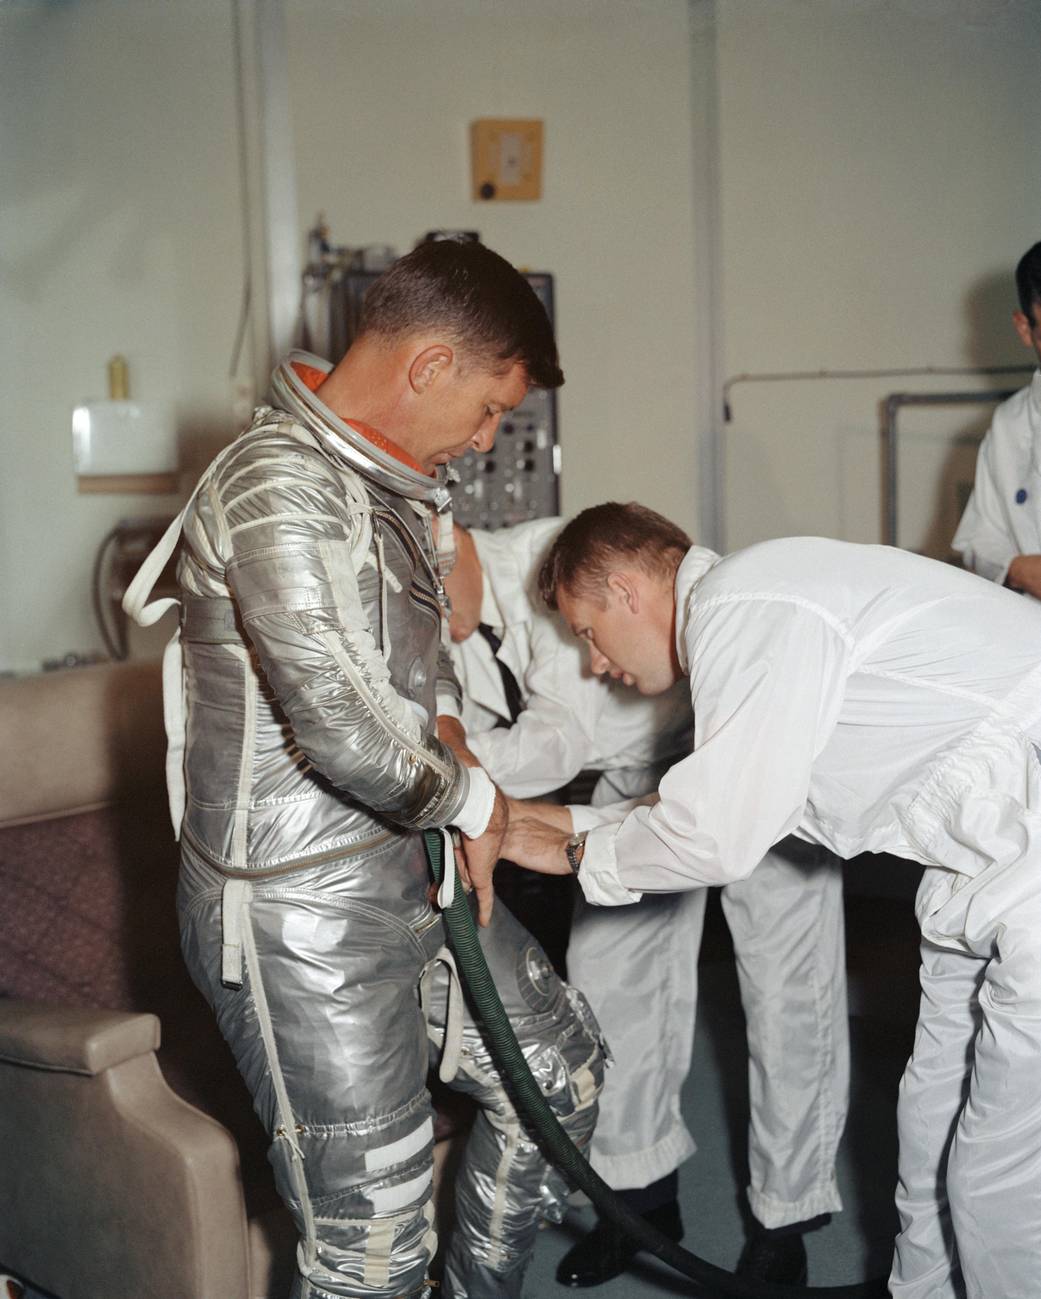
(573, 850)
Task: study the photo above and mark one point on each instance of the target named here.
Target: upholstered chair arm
(71, 1040)
(145, 1187)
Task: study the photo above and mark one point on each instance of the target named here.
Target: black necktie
(514, 700)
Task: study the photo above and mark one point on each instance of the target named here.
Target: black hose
(115, 642)
(513, 1067)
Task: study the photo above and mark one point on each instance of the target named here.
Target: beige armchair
(127, 1169)
(116, 1186)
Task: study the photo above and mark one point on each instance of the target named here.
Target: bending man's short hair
(475, 298)
(596, 541)
(1028, 281)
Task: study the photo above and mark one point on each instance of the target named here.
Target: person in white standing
(999, 535)
(638, 966)
(869, 700)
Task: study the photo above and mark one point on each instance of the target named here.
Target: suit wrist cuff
(473, 817)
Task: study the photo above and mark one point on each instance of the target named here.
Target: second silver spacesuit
(311, 641)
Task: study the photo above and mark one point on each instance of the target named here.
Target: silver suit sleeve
(293, 541)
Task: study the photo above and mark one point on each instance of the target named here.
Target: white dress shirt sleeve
(447, 706)
(767, 683)
(586, 817)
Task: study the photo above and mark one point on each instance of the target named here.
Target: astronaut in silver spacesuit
(303, 723)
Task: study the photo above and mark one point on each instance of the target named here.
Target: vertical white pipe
(708, 306)
(271, 222)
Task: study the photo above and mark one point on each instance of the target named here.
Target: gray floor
(858, 1242)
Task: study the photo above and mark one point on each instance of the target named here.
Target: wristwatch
(573, 850)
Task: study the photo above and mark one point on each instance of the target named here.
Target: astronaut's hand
(480, 856)
(538, 846)
(1024, 574)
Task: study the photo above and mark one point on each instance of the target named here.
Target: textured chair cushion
(78, 904)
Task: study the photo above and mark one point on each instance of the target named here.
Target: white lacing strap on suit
(144, 614)
(446, 891)
(453, 1035)
(136, 606)
(452, 1041)
(235, 899)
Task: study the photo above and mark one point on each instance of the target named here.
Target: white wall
(384, 92)
(878, 179)
(879, 182)
(125, 234)
(120, 231)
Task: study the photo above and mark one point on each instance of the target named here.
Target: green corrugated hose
(708, 1279)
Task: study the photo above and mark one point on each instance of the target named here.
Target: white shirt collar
(1033, 413)
(1035, 390)
(693, 567)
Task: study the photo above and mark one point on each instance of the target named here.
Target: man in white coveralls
(535, 716)
(869, 700)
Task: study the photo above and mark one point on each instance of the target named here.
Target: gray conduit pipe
(806, 376)
(893, 404)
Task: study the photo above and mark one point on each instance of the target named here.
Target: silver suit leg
(329, 1036)
(505, 1187)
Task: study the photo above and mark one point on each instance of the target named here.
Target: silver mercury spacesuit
(311, 634)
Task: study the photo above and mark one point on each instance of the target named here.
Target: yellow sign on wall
(506, 155)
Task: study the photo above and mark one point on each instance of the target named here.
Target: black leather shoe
(606, 1252)
(766, 1257)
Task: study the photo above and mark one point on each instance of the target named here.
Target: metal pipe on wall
(803, 376)
(268, 177)
(892, 406)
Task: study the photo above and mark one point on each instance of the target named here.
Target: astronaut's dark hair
(482, 304)
(1028, 281)
(600, 538)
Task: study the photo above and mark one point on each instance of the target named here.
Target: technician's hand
(538, 846)
(1024, 574)
(535, 809)
(481, 854)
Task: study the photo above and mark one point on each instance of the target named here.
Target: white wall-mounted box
(124, 437)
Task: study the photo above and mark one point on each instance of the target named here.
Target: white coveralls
(873, 700)
(638, 966)
(1003, 516)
